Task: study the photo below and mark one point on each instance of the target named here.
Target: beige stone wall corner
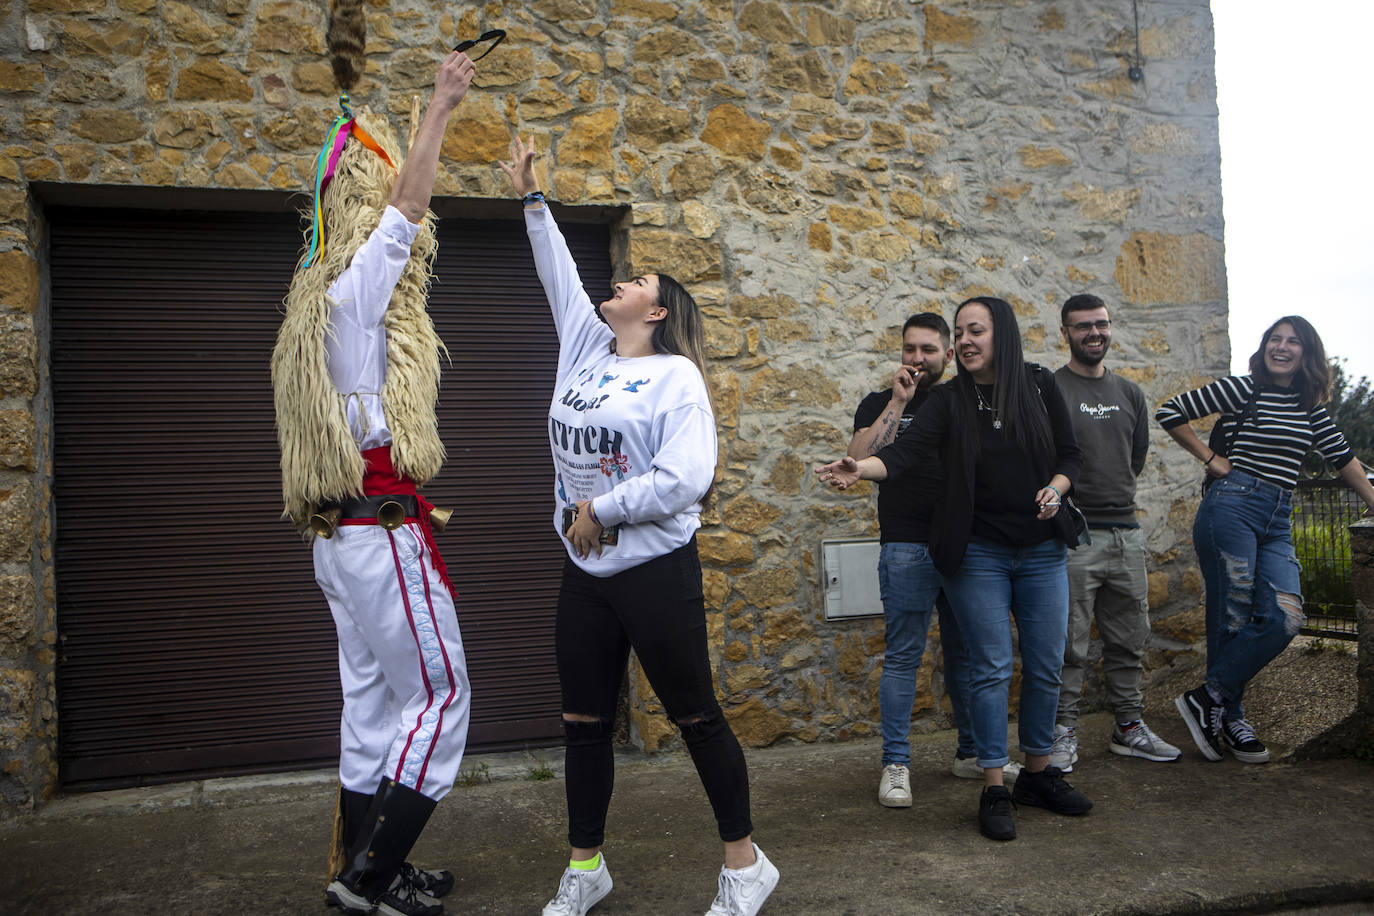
(28, 732)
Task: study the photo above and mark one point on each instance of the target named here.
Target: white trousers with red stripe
(401, 664)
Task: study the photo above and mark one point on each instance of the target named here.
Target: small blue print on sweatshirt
(633, 387)
(606, 379)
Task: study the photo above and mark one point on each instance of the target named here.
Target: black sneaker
(1047, 789)
(1203, 716)
(994, 814)
(1240, 740)
(405, 898)
(436, 882)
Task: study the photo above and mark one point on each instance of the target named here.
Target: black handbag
(1220, 443)
(1075, 533)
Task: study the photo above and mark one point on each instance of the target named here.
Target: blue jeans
(910, 585)
(1244, 542)
(1032, 586)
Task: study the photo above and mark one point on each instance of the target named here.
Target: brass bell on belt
(323, 522)
(438, 518)
(391, 515)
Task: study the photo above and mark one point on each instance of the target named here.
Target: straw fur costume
(319, 459)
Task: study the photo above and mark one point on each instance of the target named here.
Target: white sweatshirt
(635, 436)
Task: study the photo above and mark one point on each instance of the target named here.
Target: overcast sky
(1297, 170)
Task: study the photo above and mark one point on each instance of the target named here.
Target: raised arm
(520, 168)
(883, 430)
(415, 184)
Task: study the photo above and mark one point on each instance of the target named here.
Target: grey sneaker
(579, 891)
(894, 788)
(1064, 752)
(968, 768)
(1136, 740)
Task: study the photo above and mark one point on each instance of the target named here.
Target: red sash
(380, 479)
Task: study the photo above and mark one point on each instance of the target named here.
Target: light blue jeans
(910, 586)
(1029, 585)
(1244, 540)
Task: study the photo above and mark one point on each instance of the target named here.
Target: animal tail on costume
(346, 38)
(338, 852)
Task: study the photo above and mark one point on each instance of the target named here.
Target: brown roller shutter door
(193, 640)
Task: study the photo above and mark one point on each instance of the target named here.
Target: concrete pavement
(1186, 837)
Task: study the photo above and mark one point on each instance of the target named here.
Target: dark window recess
(193, 640)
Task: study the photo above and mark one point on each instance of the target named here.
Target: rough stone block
(18, 357)
(17, 615)
(16, 523)
(18, 281)
(18, 700)
(1156, 268)
(17, 437)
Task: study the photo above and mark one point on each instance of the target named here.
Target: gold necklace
(984, 405)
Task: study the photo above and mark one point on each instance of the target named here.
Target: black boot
(372, 873)
(353, 808)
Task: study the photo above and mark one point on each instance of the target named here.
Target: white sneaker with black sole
(894, 787)
(742, 891)
(579, 890)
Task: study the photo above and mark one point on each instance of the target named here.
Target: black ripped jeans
(657, 609)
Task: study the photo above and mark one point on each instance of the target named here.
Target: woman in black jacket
(1005, 443)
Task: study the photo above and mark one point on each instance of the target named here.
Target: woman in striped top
(1272, 418)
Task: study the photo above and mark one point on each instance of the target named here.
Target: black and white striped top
(1273, 441)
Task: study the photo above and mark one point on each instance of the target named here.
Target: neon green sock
(591, 864)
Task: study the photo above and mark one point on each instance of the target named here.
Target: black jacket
(934, 435)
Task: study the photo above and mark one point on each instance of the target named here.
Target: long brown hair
(1313, 378)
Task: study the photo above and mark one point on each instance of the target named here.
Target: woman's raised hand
(520, 168)
(840, 474)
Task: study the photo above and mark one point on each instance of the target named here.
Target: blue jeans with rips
(1031, 586)
(1244, 540)
(909, 585)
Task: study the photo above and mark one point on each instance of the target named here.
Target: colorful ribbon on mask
(344, 126)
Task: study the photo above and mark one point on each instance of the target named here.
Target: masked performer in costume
(356, 373)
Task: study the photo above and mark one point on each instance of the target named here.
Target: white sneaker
(894, 788)
(579, 891)
(743, 890)
(968, 768)
(1064, 752)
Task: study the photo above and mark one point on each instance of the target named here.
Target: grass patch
(476, 776)
(540, 771)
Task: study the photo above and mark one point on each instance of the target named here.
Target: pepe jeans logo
(1100, 412)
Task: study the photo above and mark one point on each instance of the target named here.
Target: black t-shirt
(1004, 488)
(905, 502)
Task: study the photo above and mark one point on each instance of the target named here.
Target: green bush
(1323, 549)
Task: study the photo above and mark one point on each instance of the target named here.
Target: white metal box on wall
(850, 567)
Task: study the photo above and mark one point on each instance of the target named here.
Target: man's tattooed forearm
(887, 432)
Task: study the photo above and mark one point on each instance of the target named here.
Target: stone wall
(814, 172)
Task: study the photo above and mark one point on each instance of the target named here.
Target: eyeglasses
(1084, 327)
(495, 36)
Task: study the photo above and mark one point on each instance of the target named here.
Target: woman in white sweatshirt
(634, 452)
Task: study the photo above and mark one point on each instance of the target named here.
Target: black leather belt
(388, 510)
(369, 506)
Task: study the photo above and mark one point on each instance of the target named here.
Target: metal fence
(1323, 510)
